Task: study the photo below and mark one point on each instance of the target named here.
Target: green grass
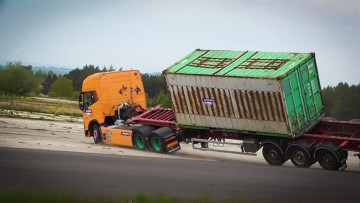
(15, 197)
(39, 105)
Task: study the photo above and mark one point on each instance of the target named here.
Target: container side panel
(234, 124)
(217, 102)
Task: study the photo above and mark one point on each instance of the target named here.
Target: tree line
(341, 101)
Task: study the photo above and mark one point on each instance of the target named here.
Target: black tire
(273, 155)
(141, 137)
(157, 139)
(96, 133)
(328, 160)
(301, 157)
(140, 141)
(157, 144)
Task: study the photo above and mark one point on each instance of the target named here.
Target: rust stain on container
(256, 105)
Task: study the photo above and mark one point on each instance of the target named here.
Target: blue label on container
(208, 101)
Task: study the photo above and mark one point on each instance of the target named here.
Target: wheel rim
(139, 142)
(300, 158)
(95, 134)
(273, 155)
(156, 144)
(328, 160)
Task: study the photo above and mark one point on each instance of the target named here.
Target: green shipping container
(269, 93)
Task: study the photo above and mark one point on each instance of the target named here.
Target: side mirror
(81, 101)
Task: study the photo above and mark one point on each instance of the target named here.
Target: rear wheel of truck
(158, 139)
(141, 137)
(96, 133)
(273, 154)
(157, 144)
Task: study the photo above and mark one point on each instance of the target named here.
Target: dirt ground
(69, 136)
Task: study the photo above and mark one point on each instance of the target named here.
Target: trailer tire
(273, 154)
(96, 133)
(328, 160)
(301, 157)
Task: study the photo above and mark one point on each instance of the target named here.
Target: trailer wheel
(301, 157)
(96, 133)
(328, 160)
(273, 154)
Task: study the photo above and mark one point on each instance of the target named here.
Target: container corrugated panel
(268, 93)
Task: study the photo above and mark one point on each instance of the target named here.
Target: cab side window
(90, 98)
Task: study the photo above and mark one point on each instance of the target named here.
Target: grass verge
(40, 105)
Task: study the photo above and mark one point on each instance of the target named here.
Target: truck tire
(96, 133)
(301, 154)
(328, 160)
(157, 140)
(330, 157)
(140, 141)
(301, 157)
(273, 154)
(141, 137)
(157, 144)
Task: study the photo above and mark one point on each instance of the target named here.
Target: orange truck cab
(109, 96)
(108, 101)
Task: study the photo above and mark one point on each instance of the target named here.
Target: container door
(296, 107)
(311, 89)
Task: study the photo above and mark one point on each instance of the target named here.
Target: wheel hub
(328, 160)
(300, 157)
(273, 154)
(95, 134)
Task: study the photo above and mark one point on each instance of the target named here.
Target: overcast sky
(152, 35)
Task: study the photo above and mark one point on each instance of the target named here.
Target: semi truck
(257, 100)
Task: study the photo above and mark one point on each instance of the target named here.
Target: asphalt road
(114, 175)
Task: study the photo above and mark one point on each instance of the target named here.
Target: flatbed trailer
(328, 142)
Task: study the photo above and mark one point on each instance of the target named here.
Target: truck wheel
(157, 144)
(141, 137)
(140, 141)
(157, 139)
(96, 133)
(301, 157)
(273, 155)
(328, 160)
